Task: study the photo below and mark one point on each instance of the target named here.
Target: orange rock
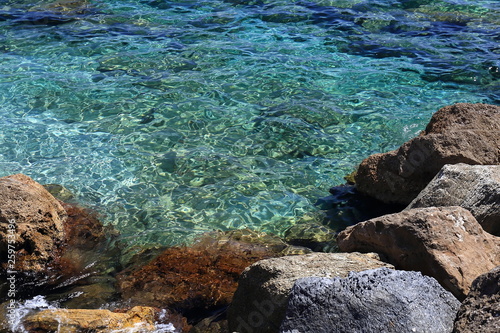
(137, 319)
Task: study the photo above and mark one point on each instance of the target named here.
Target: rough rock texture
(446, 243)
(198, 279)
(36, 231)
(460, 133)
(378, 300)
(480, 311)
(473, 187)
(137, 319)
(259, 304)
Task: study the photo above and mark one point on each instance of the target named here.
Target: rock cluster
(202, 278)
(446, 243)
(448, 177)
(259, 304)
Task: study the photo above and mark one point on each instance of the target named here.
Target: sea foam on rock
(460, 133)
(377, 300)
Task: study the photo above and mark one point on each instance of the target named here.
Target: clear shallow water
(177, 117)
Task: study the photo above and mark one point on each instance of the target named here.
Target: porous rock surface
(260, 301)
(446, 243)
(459, 133)
(480, 311)
(473, 187)
(377, 300)
(31, 220)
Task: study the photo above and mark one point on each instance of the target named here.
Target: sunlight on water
(172, 118)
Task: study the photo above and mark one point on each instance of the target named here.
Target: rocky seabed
(432, 267)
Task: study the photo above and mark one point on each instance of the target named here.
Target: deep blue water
(176, 117)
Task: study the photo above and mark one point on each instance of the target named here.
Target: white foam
(23, 309)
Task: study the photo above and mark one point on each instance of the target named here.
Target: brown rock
(139, 318)
(460, 133)
(31, 223)
(480, 311)
(198, 279)
(446, 243)
(260, 302)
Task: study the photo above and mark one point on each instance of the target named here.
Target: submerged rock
(446, 243)
(314, 236)
(198, 279)
(480, 311)
(460, 133)
(260, 302)
(377, 300)
(473, 187)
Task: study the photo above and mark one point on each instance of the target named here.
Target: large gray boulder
(373, 301)
(460, 133)
(480, 311)
(473, 187)
(259, 303)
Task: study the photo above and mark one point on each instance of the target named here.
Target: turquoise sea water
(172, 118)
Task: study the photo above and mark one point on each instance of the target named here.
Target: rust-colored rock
(137, 319)
(446, 243)
(31, 224)
(460, 133)
(480, 311)
(82, 228)
(197, 279)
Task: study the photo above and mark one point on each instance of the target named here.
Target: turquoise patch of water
(172, 118)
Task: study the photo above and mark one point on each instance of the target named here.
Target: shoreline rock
(446, 243)
(473, 187)
(376, 300)
(459, 133)
(259, 303)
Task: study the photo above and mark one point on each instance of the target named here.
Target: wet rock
(31, 225)
(83, 230)
(198, 279)
(460, 133)
(377, 300)
(347, 206)
(260, 302)
(212, 324)
(480, 311)
(59, 192)
(99, 291)
(139, 319)
(446, 243)
(473, 187)
(314, 236)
